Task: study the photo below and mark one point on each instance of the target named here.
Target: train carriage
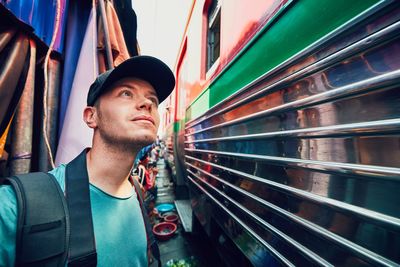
(284, 129)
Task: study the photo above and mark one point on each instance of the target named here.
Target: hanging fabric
(14, 62)
(78, 16)
(39, 16)
(52, 106)
(21, 146)
(75, 134)
(117, 41)
(128, 20)
(14, 65)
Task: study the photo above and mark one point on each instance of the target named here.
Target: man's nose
(146, 103)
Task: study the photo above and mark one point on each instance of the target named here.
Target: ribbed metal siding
(305, 160)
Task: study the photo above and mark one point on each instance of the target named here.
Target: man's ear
(90, 117)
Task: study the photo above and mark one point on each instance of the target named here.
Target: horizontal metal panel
(379, 218)
(314, 209)
(365, 254)
(308, 155)
(300, 249)
(389, 80)
(384, 173)
(332, 149)
(269, 247)
(363, 128)
(303, 65)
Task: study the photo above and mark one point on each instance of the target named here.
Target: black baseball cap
(147, 68)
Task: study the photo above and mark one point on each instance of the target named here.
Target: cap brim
(147, 68)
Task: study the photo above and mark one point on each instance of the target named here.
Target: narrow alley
(184, 247)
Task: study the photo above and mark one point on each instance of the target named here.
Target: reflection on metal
(384, 126)
(368, 255)
(375, 83)
(306, 158)
(270, 248)
(289, 71)
(303, 250)
(312, 227)
(384, 173)
(391, 222)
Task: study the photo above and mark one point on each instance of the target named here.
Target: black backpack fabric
(43, 220)
(53, 229)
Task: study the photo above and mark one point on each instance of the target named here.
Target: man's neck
(109, 168)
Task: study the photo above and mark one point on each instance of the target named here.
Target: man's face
(128, 113)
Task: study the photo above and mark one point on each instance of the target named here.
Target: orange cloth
(3, 139)
(117, 41)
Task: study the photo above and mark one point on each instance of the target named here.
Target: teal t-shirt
(118, 226)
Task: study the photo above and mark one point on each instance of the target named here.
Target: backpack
(62, 229)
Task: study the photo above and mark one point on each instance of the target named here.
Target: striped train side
(290, 144)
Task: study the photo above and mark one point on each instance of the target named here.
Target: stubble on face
(116, 126)
(113, 136)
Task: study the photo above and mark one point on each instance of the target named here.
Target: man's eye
(126, 93)
(155, 101)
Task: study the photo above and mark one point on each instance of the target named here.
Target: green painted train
(283, 130)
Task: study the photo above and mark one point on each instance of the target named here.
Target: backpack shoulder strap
(82, 249)
(151, 241)
(43, 223)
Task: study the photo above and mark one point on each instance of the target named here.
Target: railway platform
(193, 247)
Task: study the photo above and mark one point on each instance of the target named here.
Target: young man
(122, 110)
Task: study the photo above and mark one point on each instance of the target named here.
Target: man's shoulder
(7, 195)
(59, 174)
(7, 192)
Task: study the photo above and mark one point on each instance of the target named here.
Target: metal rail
(374, 83)
(364, 128)
(392, 222)
(276, 254)
(364, 43)
(385, 173)
(358, 250)
(304, 251)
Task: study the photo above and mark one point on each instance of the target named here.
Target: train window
(213, 33)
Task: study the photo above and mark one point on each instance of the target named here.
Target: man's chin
(146, 142)
(144, 139)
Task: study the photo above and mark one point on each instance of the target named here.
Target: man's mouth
(144, 118)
